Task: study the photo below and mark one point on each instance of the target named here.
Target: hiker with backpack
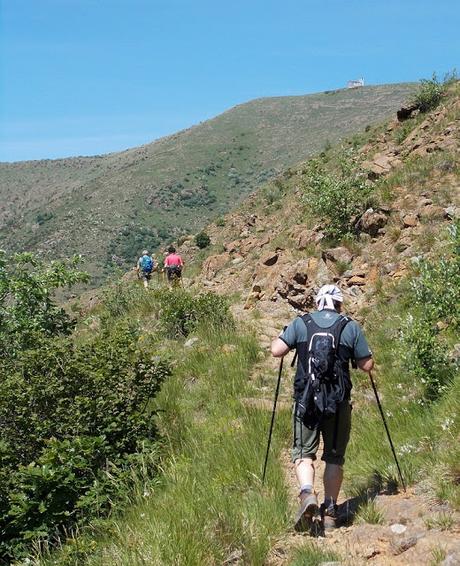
(145, 267)
(173, 266)
(325, 342)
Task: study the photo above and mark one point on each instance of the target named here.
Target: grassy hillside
(109, 207)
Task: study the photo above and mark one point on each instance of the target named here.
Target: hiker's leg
(336, 433)
(304, 447)
(332, 479)
(305, 472)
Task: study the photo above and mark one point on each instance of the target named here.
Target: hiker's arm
(279, 348)
(365, 364)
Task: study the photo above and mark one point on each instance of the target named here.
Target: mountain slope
(109, 207)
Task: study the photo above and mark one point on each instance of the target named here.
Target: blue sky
(84, 77)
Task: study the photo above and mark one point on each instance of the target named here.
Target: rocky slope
(271, 259)
(109, 207)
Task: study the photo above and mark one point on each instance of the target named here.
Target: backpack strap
(305, 319)
(338, 327)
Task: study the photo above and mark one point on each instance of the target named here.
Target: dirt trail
(414, 530)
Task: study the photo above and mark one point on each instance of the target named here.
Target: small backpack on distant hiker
(322, 379)
(146, 264)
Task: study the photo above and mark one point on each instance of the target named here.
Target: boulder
(371, 222)
(232, 247)
(406, 112)
(213, 264)
(338, 254)
(269, 259)
(410, 220)
(356, 280)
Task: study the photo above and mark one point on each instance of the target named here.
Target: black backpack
(322, 379)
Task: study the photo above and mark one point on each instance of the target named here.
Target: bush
(181, 312)
(431, 91)
(338, 197)
(72, 413)
(27, 309)
(435, 316)
(66, 411)
(202, 240)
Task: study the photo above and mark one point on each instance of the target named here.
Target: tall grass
(210, 501)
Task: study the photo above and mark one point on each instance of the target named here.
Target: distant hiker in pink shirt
(173, 265)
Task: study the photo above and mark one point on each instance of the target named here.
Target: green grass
(311, 554)
(209, 500)
(440, 521)
(368, 512)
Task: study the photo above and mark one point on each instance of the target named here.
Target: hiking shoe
(329, 517)
(308, 508)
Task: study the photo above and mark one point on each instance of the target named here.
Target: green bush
(66, 411)
(435, 318)
(180, 312)
(73, 414)
(338, 197)
(27, 309)
(202, 240)
(431, 91)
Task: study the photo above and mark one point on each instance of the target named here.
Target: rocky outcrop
(372, 222)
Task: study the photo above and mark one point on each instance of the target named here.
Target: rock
(305, 239)
(401, 544)
(356, 280)
(371, 222)
(410, 220)
(270, 259)
(191, 342)
(251, 300)
(232, 247)
(406, 112)
(213, 264)
(338, 254)
(432, 212)
(398, 528)
(237, 260)
(452, 212)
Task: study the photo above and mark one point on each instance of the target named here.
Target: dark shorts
(173, 272)
(334, 430)
(145, 275)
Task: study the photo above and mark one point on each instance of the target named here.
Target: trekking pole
(273, 419)
(387, 431)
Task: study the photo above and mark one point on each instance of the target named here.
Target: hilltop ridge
(109, 207)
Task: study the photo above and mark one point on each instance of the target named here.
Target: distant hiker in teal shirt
(308, 334)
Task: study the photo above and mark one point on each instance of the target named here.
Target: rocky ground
(276, 272)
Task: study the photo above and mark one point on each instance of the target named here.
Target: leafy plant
(436, 298)
(28, 311)
(431, 91)
(338, 197)
(202, 240)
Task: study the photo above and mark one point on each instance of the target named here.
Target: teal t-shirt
(352, 337)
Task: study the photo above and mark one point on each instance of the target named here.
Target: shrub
(431, 91)
(202, 240)
(435, 294)
(27, 309)
(181, 312)
(72, 413)
(338, 197)
(66, 412)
